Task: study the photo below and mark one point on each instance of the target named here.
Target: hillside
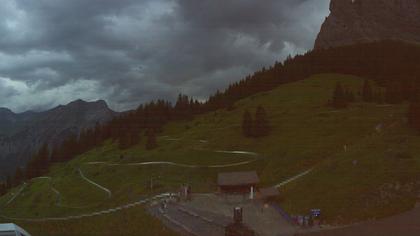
(306, 134)
(23, 133)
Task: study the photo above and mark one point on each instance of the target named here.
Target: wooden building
(238, 182)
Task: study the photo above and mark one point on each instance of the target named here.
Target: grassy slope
(306, 133)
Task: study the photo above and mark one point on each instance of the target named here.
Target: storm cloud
(131, 51)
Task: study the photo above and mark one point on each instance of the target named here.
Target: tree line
(126, 130)
(391, 64)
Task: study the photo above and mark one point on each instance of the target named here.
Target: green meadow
(363, 158)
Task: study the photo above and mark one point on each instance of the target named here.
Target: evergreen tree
(151, 142)
(393, 93)
(261, 124)
(349, 96)
(3, 189)
(367, 94)
(19, 176)
(413, 115)
(339, 99)
(247, 124)
(39, 163)
(9, 183)
(55, 155)
(124, 141)
(43, 159)
(134, 137)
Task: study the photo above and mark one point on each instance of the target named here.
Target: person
(189, 192)
(162, 206)
(311, 221)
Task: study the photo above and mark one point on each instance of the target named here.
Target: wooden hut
(237, 182)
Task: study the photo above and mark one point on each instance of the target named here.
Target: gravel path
(172, 164)
(17, 194)
(294, 178)
(95, 184)
(238, 152)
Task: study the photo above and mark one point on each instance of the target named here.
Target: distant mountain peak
(4, 110)
(25, 132)
(79, 103)
(360, 21)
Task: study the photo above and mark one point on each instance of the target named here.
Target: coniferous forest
(392, 65)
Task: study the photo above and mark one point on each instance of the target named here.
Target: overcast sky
(131, 51)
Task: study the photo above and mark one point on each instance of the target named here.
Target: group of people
(185, 192)
(311, 220)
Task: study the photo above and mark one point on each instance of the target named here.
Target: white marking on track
(17, 194)
(294, 178)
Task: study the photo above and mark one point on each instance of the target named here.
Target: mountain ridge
(23, 133)
(361, 21)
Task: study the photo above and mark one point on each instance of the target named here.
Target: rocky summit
(22, 134)
(359, 21)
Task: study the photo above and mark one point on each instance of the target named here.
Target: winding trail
(56, 192)
(97, 213)
(109, 193)
(58, 201)
(172, 164)
(238, 152)
(17, 194)
(95, 184)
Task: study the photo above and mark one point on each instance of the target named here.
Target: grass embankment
(305, 134)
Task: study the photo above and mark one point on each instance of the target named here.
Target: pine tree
(39, 163)
(151, 142)
(3, 189)
(247, 124)
(19, 176)
(339, 99)
(124, 141)
(134, 137)
(9, 183)
(349, 96)
(393, 93)
(43, 159)
(261, 124)
(413, 115)
(55, 155)
(367, 94)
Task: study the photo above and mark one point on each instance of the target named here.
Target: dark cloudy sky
(132, 51)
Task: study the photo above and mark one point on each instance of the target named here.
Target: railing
(283, 213)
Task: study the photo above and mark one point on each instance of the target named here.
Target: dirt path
(294, 178)
(172, 164)
(17, 194)
(95, 184)
(238, 152)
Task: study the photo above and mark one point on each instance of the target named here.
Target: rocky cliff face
(26, 132)
(354, 21)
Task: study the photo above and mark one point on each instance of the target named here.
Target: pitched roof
(237, 178)
(269, 192)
